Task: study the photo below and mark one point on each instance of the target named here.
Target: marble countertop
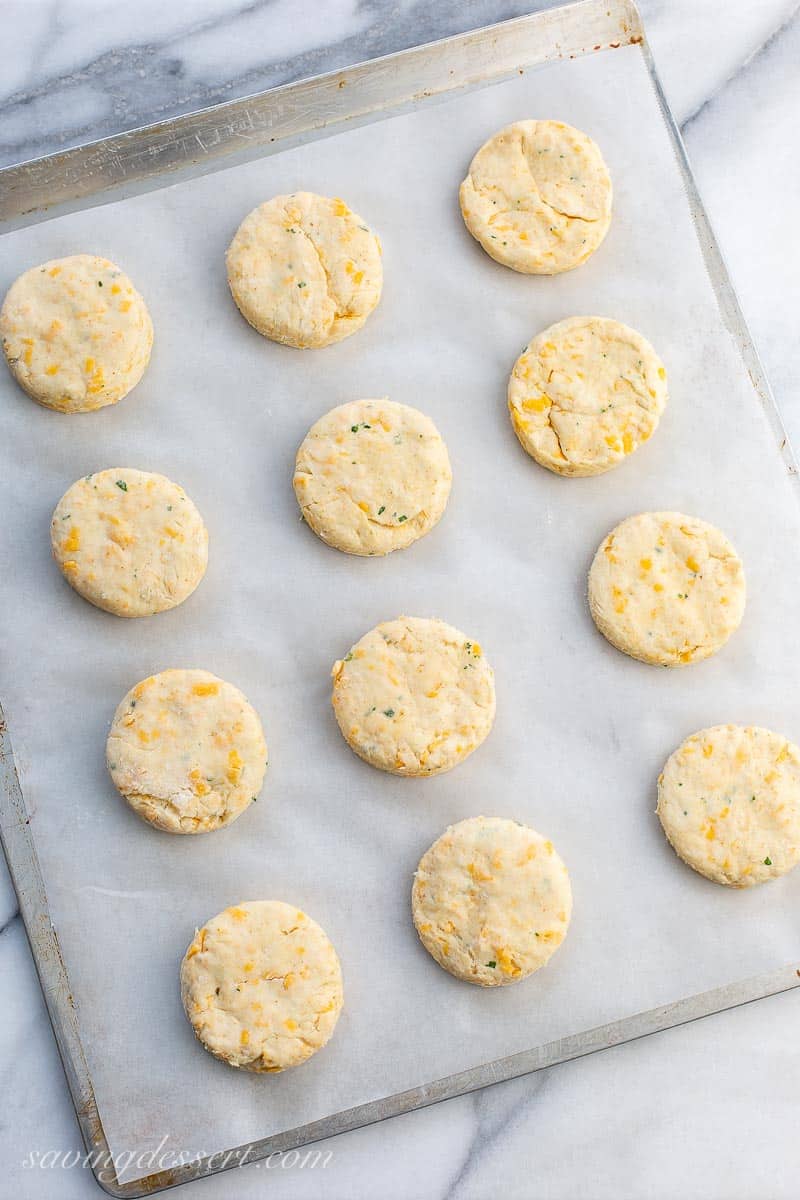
(705, 1111)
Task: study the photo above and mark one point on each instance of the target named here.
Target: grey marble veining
(705, 1111)
(82, 69)
(60, 102)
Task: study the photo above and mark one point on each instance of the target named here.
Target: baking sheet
(581, 730)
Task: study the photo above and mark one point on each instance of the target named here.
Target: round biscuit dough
(372, 476)
(584, 394)
(538, 197)
(76, 334)
(187, 751)
(491, 901)
(729, 803)
(304, 270)
(414, 696)
(666, 588)
(262, 986)
(130, 542)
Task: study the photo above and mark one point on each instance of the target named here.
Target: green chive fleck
(388, 712)
(122, 485)
(768, 861)
(492, 964)
(302, 284)
(382, 509)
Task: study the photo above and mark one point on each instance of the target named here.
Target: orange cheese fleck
(477, 874)
(198, 783)
(536, 404)
(205, 689)
(234, 766)
(506, 963)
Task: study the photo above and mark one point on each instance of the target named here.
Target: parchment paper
(581, 732)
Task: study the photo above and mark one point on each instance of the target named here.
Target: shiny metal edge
(273, 120)
(268, 122)
(724, 292)
(526, 1062)
(18, 845)
(20, 851)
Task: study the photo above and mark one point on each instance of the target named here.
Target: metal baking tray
(256, 126)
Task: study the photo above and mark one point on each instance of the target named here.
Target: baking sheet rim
(15, 834)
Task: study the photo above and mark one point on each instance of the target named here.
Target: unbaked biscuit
(262, 986)
(130, 542)
(538, 197)
(584, 394)
(187, 751)
(76, 334)
(729, 803)
(666, 588)
(414, 696)
(372, 476)
(304, 270)
(491, 900)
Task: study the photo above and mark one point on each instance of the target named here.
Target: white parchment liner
(581, 730)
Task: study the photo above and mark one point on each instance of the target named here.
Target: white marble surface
(706, 1111)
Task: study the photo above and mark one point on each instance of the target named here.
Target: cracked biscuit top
(187, 751)
(262, 986)
(372, 476)
(538, 197)
(304, 270)
(414, 696)
(586, 393)
(666, 588)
